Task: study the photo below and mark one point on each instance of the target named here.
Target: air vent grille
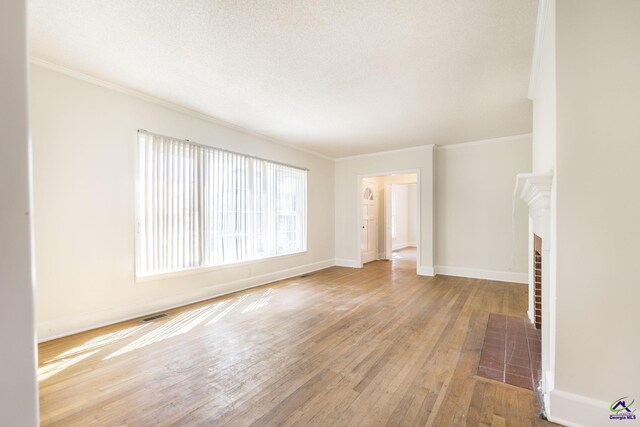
(154, 317)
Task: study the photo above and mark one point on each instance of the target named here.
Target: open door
(369, 201)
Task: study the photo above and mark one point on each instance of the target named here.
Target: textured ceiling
(337, 77)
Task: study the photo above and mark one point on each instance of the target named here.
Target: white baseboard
(69, 325)
(501, 276)
(397, 246)
(424, 270)
(351, 263)
(575, 410)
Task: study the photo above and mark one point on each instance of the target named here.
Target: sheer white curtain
(199, 206)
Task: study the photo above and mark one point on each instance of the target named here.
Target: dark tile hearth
(511, 352)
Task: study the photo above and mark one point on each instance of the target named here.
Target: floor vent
(154, 317)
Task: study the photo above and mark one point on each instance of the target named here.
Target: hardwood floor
(376, 346)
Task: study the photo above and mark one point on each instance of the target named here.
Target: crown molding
(202, 116)
(501, 139)
(166, 104)
(380, 153)
(543, 11)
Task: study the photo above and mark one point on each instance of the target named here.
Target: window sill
(199, 270)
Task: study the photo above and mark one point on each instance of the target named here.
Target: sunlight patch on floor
(181, 324)
(259, 303)
(57, 366)
(226, 311)
(174, 327)
(101, 341)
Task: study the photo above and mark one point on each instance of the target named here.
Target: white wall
(586, 101)
(18, 387)
(598, 201)
(473, 209)
(543, 94)
(474, 185)
(84, 139)
(347, 174)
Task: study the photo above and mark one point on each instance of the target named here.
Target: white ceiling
(336, 77)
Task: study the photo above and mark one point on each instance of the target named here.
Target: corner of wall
(350, 263)
(575, 410)
(424, 270)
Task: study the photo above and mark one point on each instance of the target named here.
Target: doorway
(369, 246)
(389, 217)
(401, 220)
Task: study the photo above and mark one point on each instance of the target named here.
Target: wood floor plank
(372, 346)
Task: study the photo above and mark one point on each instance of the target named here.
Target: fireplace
(537, 281)
(536, 191)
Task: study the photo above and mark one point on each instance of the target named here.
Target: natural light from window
(199, 206)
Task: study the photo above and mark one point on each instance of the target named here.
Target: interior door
(369, 196)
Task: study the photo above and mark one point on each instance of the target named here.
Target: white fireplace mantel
(534, 189)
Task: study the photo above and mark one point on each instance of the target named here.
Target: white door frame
(358, 232)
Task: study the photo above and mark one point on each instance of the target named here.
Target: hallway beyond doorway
(404, 258)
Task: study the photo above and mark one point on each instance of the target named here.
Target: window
(199, 206)
(368, 193)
